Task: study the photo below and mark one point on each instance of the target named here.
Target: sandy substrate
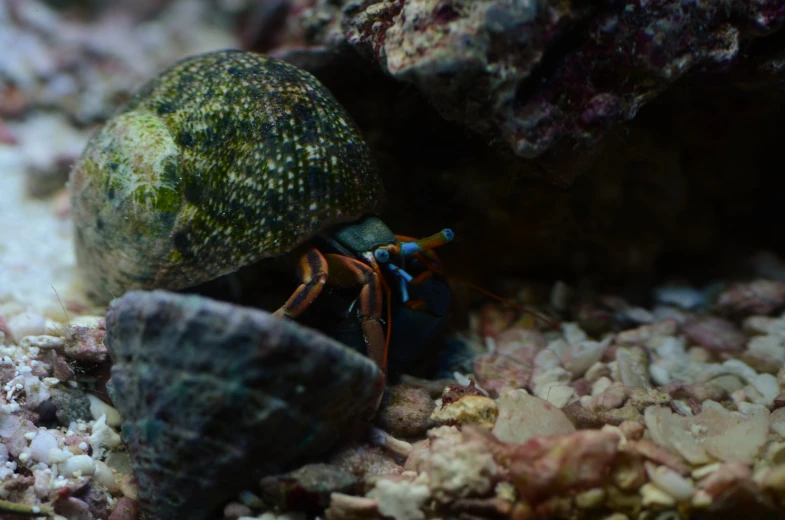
(36, 252)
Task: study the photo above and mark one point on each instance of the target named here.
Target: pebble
(669, 481)
(85, 344)
(125, 509)
(583, 355)
(555, 393)
(103, 437)
(308, 488)
(99, 408)
(590, 499)
(495, 371)
(406, 411)
(468, 409)
(43, 342)
(401, 500)
(716, 334)
(685, 297)
(365, 461)
(651, 495)
(633, 365)
(105, 476)
(83, 464)
(754, 297)
(523, 417)
(72, 404)
(26, 324)
(42, 444)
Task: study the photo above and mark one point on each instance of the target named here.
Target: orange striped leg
(312, 271)
(348, 272)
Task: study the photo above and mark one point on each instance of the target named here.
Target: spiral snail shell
(223, 160)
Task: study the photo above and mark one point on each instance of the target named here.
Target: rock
(99, 408)
(715, 334)
(405, 411)
(520, 343)
(347, 507)
(645, 333)
(469, 409)
(548, 466)
(105, 477)
(754, 297)
(402, 499)
(497, 51)
(633, 366)
(26, 324)
(308, 488)
(495, 371)
(42, 443)
(72, 404)
(61, 369)
(458, 465)
(668, 480)
(715, 433)
(96, 500)
(724, 479)
(85, 344)
(125, 509)
(13, 429)
(583, 354)
(73, 509)
(523, 417)
(453, 393)
(365, 461)
(82, 464)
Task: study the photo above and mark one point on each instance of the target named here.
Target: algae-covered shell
(224, 159)
(214, 395)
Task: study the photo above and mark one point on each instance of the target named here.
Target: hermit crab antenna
(404, 278)
(439, 239)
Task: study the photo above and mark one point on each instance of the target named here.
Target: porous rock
(541, 76)
(71, 404)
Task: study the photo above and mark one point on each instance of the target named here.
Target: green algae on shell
(222, 160)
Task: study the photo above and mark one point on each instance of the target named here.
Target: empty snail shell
(223, 160)
(213, 395)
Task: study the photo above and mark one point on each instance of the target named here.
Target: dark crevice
(571, 38)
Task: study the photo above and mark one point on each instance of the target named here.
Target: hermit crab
(226, 159)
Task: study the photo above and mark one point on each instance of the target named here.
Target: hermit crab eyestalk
(439, 239)
(382, 255)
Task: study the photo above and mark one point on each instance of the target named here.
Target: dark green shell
(226, 158)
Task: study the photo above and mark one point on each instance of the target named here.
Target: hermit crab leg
(348, 272)
(312, 271)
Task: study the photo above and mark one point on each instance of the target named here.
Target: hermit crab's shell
(215, 395)
(226, 158)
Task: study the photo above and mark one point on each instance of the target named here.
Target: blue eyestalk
(382, 255)
(439, 239)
